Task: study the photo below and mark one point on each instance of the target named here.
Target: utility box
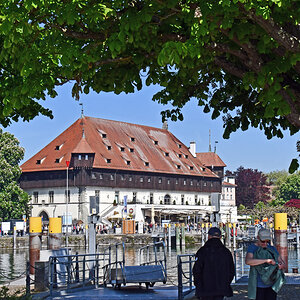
(128, 226)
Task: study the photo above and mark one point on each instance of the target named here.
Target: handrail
(69, 270)
(186, 274)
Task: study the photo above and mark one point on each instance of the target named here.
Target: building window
(104, 135)
(155, 142)
(93, 175)
(167, 200)
(182, 199)
(178, 167)
(79, 156)
(122, 177)
(131, 150)
(35, 197)
(108, 160)
(56, 147)
(184, 182)
(51, 196)
(122, 149)
(57, 161)
(86, 157)
(134, 197)
(101, 176)
(141, 179)
(176, 181)
(179, 155)
(132, 139)
(204, 183)
(166, 153)
(146, 164)
(38, 162)
(211, 184)
(97, 193)
(179, 146)
(191, 182)
(151, 198)
(191, 168)
(68, 196)
(196, 199)
(108, 147)
(128, 162)
(168, 181)
(130, 178)
(186, 156)
(149, 179)
(112, 177)
(159, 180)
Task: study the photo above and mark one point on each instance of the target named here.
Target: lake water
(13, 262)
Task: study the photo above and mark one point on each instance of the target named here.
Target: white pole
(67, 209)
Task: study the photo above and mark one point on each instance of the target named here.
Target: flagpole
(67, 207)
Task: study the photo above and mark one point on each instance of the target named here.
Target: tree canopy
(13, 200)
(240, 59)
(251, 187)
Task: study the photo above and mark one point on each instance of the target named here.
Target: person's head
(263, 237)
(214, 232)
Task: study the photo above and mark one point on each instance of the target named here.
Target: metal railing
(185, 263)
(68, 271)
(239, 261)
(145, 258)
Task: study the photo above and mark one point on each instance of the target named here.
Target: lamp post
(67, 207)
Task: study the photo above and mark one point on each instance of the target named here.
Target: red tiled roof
(293, 203)
(210, 159)
(142, 147)
(225, 183)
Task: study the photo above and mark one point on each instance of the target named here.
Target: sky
(249, 149)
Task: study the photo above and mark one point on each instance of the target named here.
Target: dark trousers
(265, 294)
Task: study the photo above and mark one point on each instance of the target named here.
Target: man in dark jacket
(214, 268)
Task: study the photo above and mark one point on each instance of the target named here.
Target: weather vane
(81, 109)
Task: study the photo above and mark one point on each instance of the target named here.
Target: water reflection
(13, 262)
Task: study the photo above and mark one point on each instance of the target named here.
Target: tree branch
(229, 67)
(282, 37)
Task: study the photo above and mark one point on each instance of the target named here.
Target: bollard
(55, 233)
(234, 235)
(183, 236)
(169, 236)
(177, 233)
(281, 243)
(35, 233)
(15, 238)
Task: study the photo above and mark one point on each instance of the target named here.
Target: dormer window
(155, 142)
(40, 161)
(86, 157)
(191, 168)
(122, 149)
(186, 156)
(132, 139)
(128, 162)
(178, 167)
(79, 156)
(108, 147)
(108, 160)
(166, 153)
(179, 155)
(104, 135)
(58, 147)
(179, 146)
(57, 161)
(131, 150)
(146, 164)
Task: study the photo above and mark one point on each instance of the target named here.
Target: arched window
(44, 216)
(167, 199)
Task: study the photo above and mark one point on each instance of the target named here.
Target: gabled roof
(210, 159)
(144, 149)
(293, 203)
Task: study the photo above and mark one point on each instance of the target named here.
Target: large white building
(111, 162)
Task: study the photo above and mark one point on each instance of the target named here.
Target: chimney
(193, 148)
(165, 125)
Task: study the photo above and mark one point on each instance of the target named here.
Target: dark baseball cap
(214, 231)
